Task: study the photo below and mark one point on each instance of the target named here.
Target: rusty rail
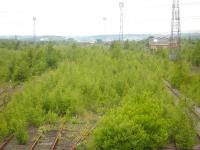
(180, 96)
(35, 143)
(55, 142)
(5, 142)
(82, 138)
(168, 85)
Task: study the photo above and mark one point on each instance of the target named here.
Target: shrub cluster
(97, 80)
(18, 66)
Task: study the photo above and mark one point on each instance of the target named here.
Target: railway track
(62, 139)
(82, 137)
(5, 142)
(42, 141)
(45, 141)
(48, 140)
(192, 108)
(180, 96)
(170, 147)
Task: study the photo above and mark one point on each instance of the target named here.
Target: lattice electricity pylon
(121, 32)
(34, 29)
(175, 39)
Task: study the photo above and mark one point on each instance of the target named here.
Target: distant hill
(107, 38)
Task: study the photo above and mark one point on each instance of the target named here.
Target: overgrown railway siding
(60, 137)
(82, 137)
(192, 108)
(46, 140)
(179, 96)
(12, 144)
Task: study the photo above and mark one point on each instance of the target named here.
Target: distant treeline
(19, 59)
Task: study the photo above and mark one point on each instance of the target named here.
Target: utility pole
(175, 39)
(34, 29)
(121, 31)
(104, 24)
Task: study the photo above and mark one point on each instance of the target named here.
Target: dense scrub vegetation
(19, 65)
(185, 74)
(123, 84)
(147, 125)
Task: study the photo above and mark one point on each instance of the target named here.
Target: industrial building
(156, 43)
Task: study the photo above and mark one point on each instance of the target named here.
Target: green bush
(180, 74)
(21, 72)
(34, 116)
(20, 65)
(115, 49)
(51, 118)
(21, 136)
(136, 126)
(3, 129)
(143, 122)
(182, 129)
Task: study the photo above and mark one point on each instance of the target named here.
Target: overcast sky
(85, 17)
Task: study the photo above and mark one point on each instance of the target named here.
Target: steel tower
(121, 32)
(175, 39)
(34, 29)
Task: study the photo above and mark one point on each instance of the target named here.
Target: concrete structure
(159, 43)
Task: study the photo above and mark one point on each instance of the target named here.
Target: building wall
(160, 43)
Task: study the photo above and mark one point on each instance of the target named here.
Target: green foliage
(10, 44)
(126, 45)
(20, 65)
(143, 122)
(75, 120)
(182, 129)
(185, 74)
(196, 55)
(51, 58)
(190, 88)
(115, 49)
(21, 72)
(3, 129)
(136, 126)
(21, 136)
(130, 83)
(184, 134)
(136, 45)
(179, 74)
(34, 116)
(51, 118)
